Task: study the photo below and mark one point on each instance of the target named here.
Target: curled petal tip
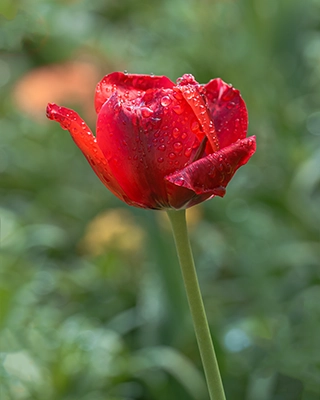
(211, 174)
(50, 109)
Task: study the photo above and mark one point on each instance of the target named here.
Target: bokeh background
(92, 303)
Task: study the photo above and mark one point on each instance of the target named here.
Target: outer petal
(211, 174)
(87, 143)
(128, 86)
(228, 111)
(143, 143)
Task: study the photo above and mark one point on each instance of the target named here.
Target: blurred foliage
(84, 316)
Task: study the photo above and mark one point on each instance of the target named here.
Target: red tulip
(163, 145)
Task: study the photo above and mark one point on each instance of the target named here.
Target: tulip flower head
(161, 145)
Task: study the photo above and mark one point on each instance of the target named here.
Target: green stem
(208, 357)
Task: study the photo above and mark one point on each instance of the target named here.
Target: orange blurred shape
(72, 83)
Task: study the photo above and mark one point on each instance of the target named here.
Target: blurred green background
(92, 304)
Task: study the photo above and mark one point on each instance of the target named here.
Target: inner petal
(197, 103)
(127, 86)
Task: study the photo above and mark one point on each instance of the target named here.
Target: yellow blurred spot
(116, 229)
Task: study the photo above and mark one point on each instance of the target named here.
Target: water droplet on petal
(177, 93)
(195, 126)
(188, 152)
(178, 109)
(184, 136)
(231, 105)
(179, 181)
(160, 159)
(165, 101)
(162, 147)
(176, 133)
(202, 109)
(146, 112)
(196, 101)
(177, 146)
(172, 156)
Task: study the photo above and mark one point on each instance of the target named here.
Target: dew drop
(194, 126)
(231, 105)
(178, 109)
(196, 101)
(177, 146)
(179, 181)
(146, 112)
(184, 136)
(176, 133)
(188, 94)
(160, 159)
(165, 101)
(162, 147)
(172, 156)
(188, 152)
(202, 109)
(177, 94)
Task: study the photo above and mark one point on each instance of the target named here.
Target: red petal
(87, 143)
(195, 100)
(211, 174)
(228, 111)
(143, 143)
(128, 86)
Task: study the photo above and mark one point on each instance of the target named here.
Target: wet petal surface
(228, 111)
(146, 142)
(128, 86)
(211, 174)
(193, 96)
